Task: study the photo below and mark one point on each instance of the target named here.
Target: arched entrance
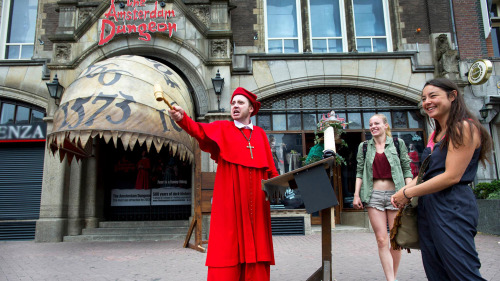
(290, 121)
(143, 159)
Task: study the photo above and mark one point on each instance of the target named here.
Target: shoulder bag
(404, 233)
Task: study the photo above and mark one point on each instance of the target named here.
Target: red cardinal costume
(240, 226)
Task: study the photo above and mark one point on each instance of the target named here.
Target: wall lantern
(55, 89)
(218, 84)
(484, 112)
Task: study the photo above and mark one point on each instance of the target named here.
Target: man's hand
(177, 113)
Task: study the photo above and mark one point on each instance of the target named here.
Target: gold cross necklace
(248, 139)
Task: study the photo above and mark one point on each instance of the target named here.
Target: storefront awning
(114, 99)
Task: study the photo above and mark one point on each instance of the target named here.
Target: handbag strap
(414, 201)
(423, 168)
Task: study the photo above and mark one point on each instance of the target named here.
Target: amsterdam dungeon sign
(135, 17)
(113, 99)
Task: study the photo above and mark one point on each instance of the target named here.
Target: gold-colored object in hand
(160, 97)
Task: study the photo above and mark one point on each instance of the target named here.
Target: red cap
(250, 96)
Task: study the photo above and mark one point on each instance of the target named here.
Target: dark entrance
(348, 170)
(144, 186)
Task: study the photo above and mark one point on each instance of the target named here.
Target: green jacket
(400, 166)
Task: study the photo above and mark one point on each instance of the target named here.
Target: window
(371, 23)
(18, 29)
(327, 26)
(283, 32)
(327, 23)
(12, 112)
(495, 30)
(7, 116)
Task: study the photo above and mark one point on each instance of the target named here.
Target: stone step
(109, 231)
(348, 228)
(127, 224)
(121, 238)
(341, 228)
(134, 230)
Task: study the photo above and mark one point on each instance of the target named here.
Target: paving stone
(355, 257)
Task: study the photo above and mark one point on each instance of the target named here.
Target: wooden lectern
(314, 184)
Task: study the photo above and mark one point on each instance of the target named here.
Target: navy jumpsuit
(447, 222)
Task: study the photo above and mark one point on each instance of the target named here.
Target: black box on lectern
(313, 183)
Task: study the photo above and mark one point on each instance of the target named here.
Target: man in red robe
(240, 245)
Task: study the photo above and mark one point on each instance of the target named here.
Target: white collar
(240, 125)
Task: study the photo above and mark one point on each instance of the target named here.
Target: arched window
(290, 120)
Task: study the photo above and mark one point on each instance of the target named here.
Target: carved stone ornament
(83, 14)
(219, 49)
(202, 12)
(446, 58)
(63, 52)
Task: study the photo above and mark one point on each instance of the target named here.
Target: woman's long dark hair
(458, 114)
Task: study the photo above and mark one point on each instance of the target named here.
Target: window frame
(343, 28)
(299, 30)
(4, 30)
(387, 23)
(18, 104)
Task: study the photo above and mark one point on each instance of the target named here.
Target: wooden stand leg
(324, 273)
(196, 222)
(197, 246)
(326, 243)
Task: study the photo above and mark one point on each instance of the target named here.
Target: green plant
(494, 195)
(487, 190)
(339, 125)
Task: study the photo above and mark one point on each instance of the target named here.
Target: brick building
(302, 58)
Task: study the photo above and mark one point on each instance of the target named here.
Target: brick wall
(489, 46)
(469, 27)
(414, 15)
(242, 22)
(439, 16)
(49, 24)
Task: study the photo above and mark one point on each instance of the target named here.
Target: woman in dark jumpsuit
(447, 210)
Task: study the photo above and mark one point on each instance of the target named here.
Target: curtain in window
(325, 18)
(281, 18)
(369, 18)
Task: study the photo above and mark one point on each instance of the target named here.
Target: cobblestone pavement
(297, 257)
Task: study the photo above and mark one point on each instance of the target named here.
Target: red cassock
(414, 162)
(142, 181)
(240, 225)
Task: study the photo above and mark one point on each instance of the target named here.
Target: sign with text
(20, 133)
(171, 196)
(155, 196)
(135, 17)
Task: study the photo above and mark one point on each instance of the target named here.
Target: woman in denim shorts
(381, 171)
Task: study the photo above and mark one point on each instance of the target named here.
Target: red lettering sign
(110, 26)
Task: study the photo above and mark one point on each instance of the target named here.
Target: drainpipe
(453, 27)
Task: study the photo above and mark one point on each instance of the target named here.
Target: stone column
(75, 222)
(51, 226)
(90, 186)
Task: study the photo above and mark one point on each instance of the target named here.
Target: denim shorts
(381, 200)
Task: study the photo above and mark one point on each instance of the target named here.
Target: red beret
(250, 96)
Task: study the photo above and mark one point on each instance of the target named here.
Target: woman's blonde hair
(384, 119)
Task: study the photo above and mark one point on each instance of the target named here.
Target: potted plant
(338, 124)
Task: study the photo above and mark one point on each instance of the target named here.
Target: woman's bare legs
(390, 259)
